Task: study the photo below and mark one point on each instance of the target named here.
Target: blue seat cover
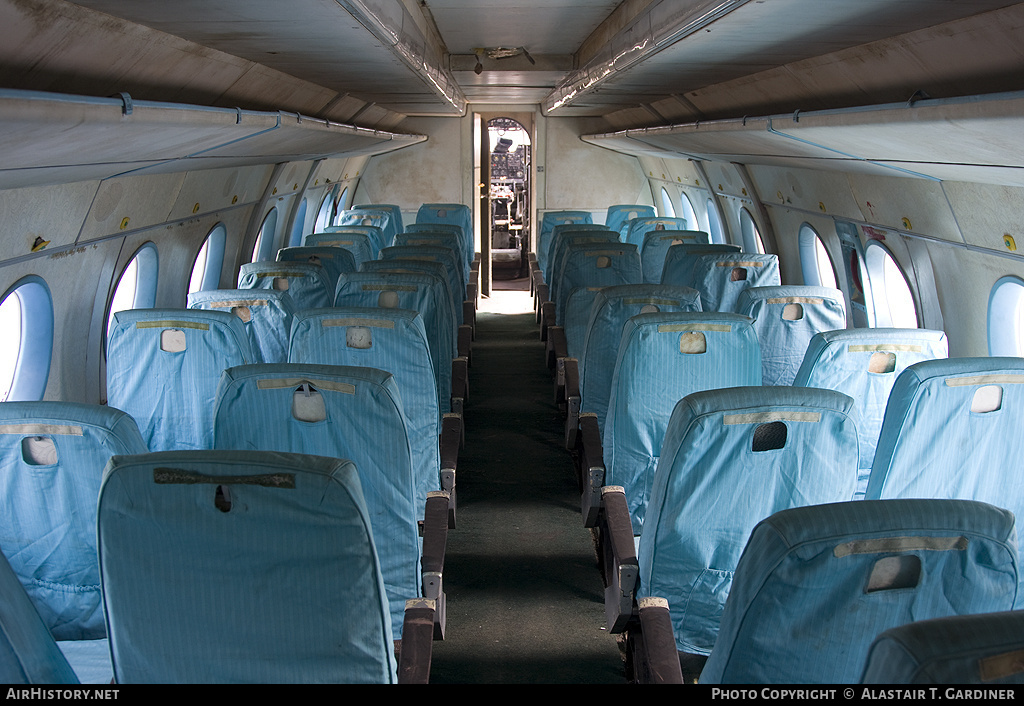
(810, 593)
(662, 358)
(681, 257)
(618, 216)
(170, 390)
(363, 249)
(786, 318)
(306, 283)
(266, 315)
(358, 415)
(721, 278)
(864, 363)
(656, 246)
(241, 567)
(335, 261)
(612, 307)
(697, 523)
(547, 224)
(640, 227)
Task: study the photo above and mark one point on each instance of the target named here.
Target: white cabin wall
(575, 176)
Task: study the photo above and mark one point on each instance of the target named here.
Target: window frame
(35, 346)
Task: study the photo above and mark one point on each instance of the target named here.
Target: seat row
(192, 380)
(689, 469)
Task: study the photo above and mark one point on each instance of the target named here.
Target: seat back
(371, 216)
(612, 307)
(340, 412)
(28, 653)
(721, 278)
(662, 358)
(187, 538)
(547, 224)
(393, 210)
(784, 446)
(680, 259)
(424, 293)
(864, 363)
(266, 315)
(451, 213)
(306, 283)
(640, 227)
(593, 266)
(561, 239)
(363, 249)
(438, 238)
(435, 253)
(52, 456)
(163, 368)
(816, 584)
(619, 216)
(951, 430)
(393, 340)
(335, 261)
(786, 318)
(960, 649)
(656, 246)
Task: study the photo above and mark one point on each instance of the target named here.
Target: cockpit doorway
(509, 192)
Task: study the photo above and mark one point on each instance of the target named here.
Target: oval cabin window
(26, 340)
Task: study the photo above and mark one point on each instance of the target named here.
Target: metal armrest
(570, 370)
(451, 439)
(435, 538)
(590, 461)
(417, 642)
(620, 564)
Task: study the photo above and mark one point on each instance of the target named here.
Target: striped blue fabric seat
(864, 363)
(335, 261)
(781, 447)
(434, 269)
(952, 430)
(392, 340)
(306, 283)
(547, 225)
(420, 292)
(786, 318)
(612, 307)
(266, 315)
(640, 227)
(591, 266)
(393, 210)
(341, 412)
(163, 368)
(435, 253)
(662, 358)
(362, 247)
(721, 278)
(456, 214)
(656, 246)
(981, 649)
(439, 238)
(52, 456)
(561, 240)
(618, 217)
(815, 585)
(28, 653)
(370, 216)
(241, 567)
(681, 257)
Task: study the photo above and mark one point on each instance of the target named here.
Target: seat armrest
(417, 642)
(451, 439)
(465, 339)
(570, 370)
(542, 296)
(620, 564)
(651, 645)
(435, 539)
(469, 315)
(460, 391)
(556, 347)
(591, 470)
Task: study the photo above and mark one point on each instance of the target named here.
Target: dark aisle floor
(525, 599)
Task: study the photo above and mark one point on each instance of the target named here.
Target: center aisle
(525, 600)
